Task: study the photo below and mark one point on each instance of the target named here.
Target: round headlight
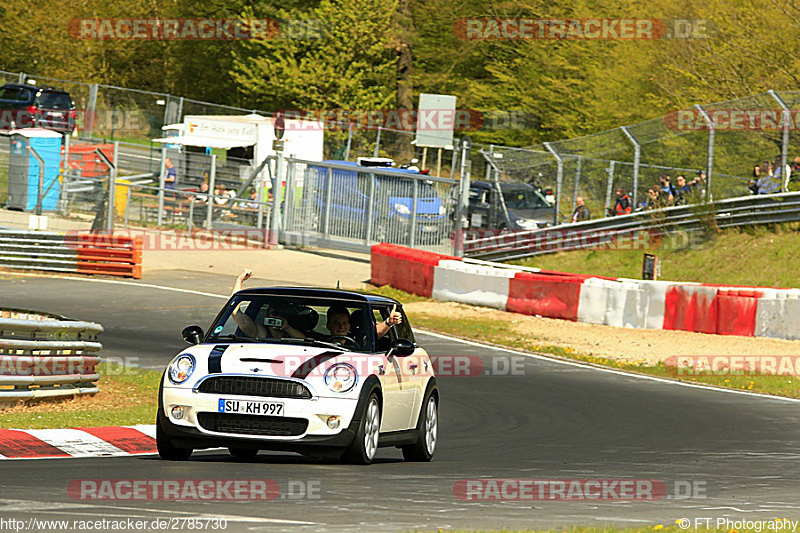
(442, 210)
(181, 368)
(402, 209)
(341, 377)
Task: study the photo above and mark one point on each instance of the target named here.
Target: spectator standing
(623, 205)
(667, 189)
(581, 212)
(683, 190)
(171, 176)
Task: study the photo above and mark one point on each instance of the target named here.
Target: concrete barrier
(456, 281)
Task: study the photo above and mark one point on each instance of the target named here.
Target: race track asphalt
(553, 421)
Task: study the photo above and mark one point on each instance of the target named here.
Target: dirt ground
(629, 345)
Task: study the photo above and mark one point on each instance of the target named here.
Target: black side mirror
(402, 347)
(192, 334)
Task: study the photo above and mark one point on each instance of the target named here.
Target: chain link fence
(592, 167)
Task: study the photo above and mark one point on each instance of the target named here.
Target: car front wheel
(427, 432)
(362, 450)
(166, 450)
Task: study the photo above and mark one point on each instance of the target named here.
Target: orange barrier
(110, 255)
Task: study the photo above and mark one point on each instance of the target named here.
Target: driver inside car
(337, 321)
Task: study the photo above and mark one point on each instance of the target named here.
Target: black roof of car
(320, 293)
(34, 88)
(503, 185)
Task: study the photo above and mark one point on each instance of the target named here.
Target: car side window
(400, 331)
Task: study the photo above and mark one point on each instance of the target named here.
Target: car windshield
(315, 321)
(524, 199)
(14, 94)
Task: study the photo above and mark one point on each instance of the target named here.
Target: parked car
(526, 205)
(317, 394)
(28, 106)
(392, 213)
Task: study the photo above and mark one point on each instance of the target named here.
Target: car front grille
(271, 426)
(254, 386)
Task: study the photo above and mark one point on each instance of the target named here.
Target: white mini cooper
(312, 371)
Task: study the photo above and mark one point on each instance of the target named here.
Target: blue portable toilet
(23, 168)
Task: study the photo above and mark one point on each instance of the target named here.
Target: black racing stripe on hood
(305, 369)
(215, 358)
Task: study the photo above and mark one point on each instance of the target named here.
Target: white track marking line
(75, 442)
(470, 343)
(609, 370)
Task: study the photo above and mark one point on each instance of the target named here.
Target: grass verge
(127, 396)
(759, 255)
(503, 334)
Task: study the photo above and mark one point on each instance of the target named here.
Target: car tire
(427, 431)
(168, 451)
(364, 447)
(242, 453)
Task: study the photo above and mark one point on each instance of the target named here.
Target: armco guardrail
(735, 212)
(82, 253)
(46, 357)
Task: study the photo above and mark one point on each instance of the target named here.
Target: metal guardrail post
(463, 198)
(326, 219)
(212, 195)
(112, 190)
(710, 160)
(414, 201)
(38, 209)
(787, 119)
(610, 185)
(559, 179)
(489, 162)
(112, 181)
(276, 200)
(637, 154)
(377, 149)
(163, 168)
(370, 209)
(90, 115)
(349, 142)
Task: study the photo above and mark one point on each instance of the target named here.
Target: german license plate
(250, 408)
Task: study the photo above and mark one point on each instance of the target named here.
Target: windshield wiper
(231, 336)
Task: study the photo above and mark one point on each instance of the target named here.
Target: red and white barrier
(82, 442)
(456, 281)
(630, 303)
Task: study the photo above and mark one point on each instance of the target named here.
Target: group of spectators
(665, 194)
(769, 177)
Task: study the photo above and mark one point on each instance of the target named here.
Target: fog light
(177, 412)
(333, 422)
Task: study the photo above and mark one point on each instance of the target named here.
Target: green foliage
(568, 87)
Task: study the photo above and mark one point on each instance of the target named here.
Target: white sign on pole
(436, 119)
